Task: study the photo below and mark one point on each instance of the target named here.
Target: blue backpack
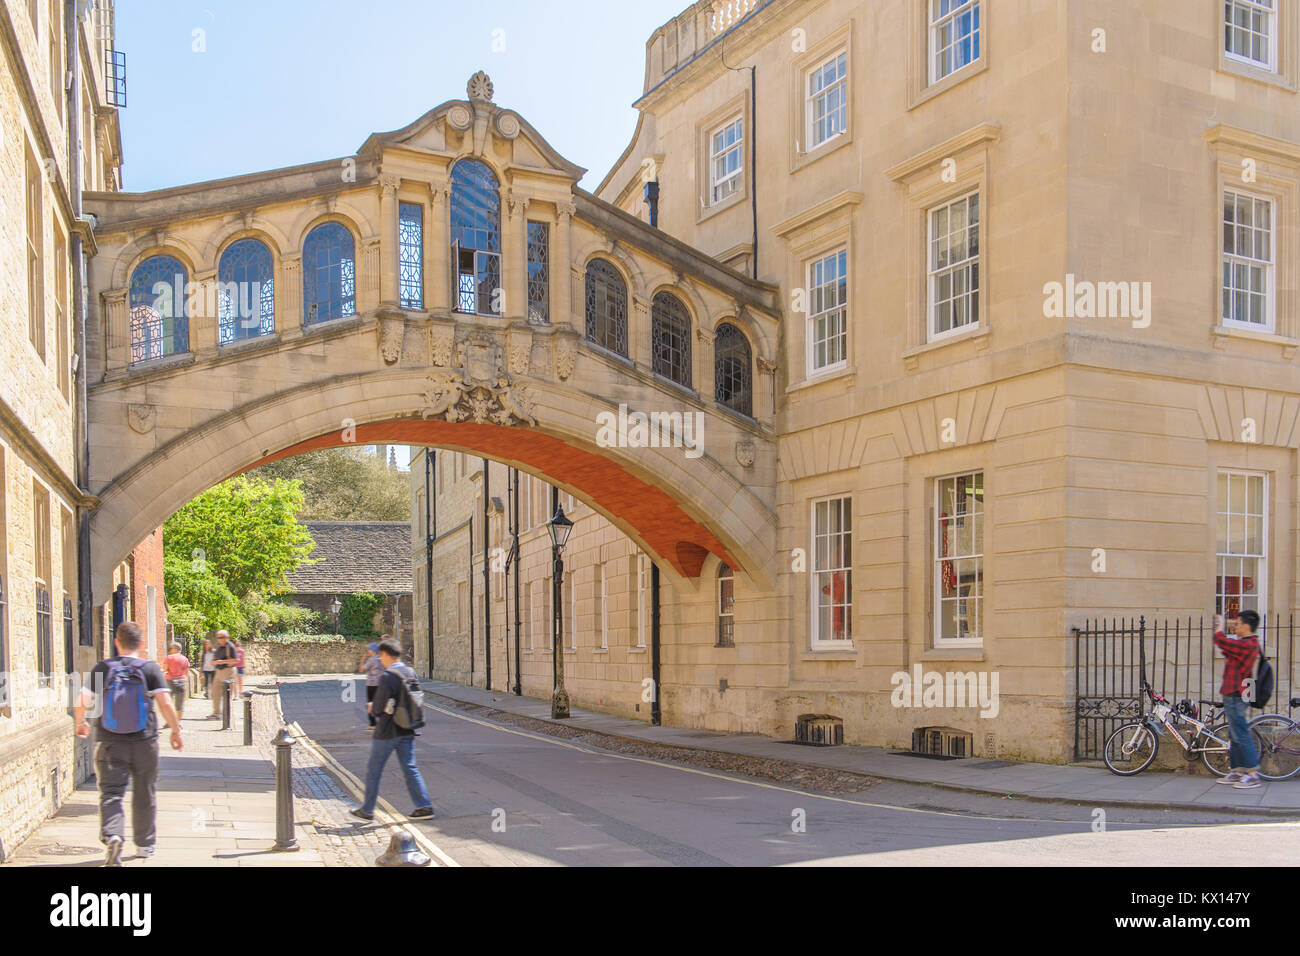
(126, 701)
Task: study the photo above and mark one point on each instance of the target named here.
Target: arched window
(726, 606)
(670, 338)
(329, 274)
(156, 301)
(733, 379)
(245, 292)
(476, 237)
(606, 307)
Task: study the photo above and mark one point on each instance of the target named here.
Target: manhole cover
(61, 850)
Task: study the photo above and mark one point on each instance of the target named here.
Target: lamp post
(559, 528)
(336, 608)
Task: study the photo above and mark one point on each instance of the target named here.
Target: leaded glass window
(732, 375)
(539, 273)
(670, 338)
(606, 307)
(329, 274)
(245, 292)
(726, 606)
(476, 238)
(410, 246)
(156, 300)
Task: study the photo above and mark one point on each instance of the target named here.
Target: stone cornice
(1232, 137)
(983, 133)
(849, 197)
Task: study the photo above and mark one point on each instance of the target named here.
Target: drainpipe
(753, 148)
(430, 530)
(514, 550)
(470, 576)
(555, 596)
(85, 599)
(656, 718)
(487, 595)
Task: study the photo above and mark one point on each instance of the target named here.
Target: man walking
(389, 737)
(224, 662)
(1239, 660)
(126, 687)
(176, 668)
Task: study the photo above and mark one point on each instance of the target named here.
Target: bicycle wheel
(1130, 749)
(1219, 761)
(1278, 738)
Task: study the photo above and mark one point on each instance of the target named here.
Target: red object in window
(835, 590)
(946, 569)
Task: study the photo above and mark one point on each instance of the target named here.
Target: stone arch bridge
(406, 365)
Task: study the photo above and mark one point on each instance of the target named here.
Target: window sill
(722, 205)
(955, 78)
(637, 650)
(600, 350)
(686, 390)
(600, 650)
(973, 653)
(979, 335)
(159, 364)
(329, 325)
(1240, 69)
(1221, 333)
(844, 653)
(249, 344)
(848, 372)
(803, 159)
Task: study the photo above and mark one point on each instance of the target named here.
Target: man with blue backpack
(126, 750)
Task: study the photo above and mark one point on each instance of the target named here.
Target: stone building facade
(58, 135)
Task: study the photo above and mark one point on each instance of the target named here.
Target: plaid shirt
(1239, 660)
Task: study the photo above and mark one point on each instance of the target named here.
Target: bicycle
(1279, 744)
(1132, 748)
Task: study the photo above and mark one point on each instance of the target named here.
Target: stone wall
(263, 658)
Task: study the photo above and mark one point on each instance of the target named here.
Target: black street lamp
(559, 528)
(336, 606)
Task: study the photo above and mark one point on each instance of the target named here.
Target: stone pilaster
(117, 329)
(514, 258)
(562, 272)
(438, 246)
(388, 271)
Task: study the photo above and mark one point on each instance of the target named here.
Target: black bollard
(225, 706)
(284, 833)
(248, 718)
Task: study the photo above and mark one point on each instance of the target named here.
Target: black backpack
(1260, 691)
(407, 708)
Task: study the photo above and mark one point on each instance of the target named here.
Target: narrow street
(568, 804)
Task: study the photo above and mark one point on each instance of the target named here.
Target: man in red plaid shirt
(1239, 655)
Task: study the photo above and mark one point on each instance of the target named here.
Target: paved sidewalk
(1091, 786)
(216, 803)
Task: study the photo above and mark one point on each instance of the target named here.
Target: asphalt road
(509, 797)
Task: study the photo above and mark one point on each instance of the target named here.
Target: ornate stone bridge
(389, 305)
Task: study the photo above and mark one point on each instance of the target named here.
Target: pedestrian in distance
(224, 662)
(1239, 652)
(373, 668)
(208, 667)
(123, 689)
(176, 668)
(392, 706)
(239, 668)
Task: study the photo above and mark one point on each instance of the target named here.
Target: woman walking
(373, 667)
(207, 667)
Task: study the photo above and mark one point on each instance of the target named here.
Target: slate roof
(357, 556)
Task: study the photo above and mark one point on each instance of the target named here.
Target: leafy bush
(308, 639)
(356, 618)
(276, 617)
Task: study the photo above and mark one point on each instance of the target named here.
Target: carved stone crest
(479, 87)
(391, 333)
(521, 349)
(452, 397)
(440, 345)
(479, 354)
(745, 453)
(141, 418)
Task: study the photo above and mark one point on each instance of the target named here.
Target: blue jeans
(380, 751)
(1242, 754)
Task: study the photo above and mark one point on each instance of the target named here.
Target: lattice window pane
(539, 273)
(670, 334)
(329, 278)
(733, 383)
(606, 307)
(245, 292)
(410, 243)
(156, 300)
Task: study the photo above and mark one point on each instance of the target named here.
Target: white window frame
(939, 558)
(734, 181)
(841, 257)
(1255, 6)
(811, 97)
(934, 272)
(1261, 557)
(818, 642)
(642, 571)
(960, 8)
(723, 612)
(1234, 259)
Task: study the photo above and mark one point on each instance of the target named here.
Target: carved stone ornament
(479, 354)
(451, 396)
(391, 332)
(460, 117)
(479, 87)
(508, 125)
(521, 350)
(566, 353)
(141, 418)
(745, 453)
(441, 343)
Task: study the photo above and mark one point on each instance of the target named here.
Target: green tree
(244, 532)
(344, 484)
(197, 600)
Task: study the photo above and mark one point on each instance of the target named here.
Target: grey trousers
(118, 762)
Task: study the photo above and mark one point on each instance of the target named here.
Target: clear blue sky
(284, 82)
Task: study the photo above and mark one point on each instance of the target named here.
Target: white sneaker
(1231, 779)
(1248, 781)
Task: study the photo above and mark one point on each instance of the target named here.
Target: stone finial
(479, 87)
